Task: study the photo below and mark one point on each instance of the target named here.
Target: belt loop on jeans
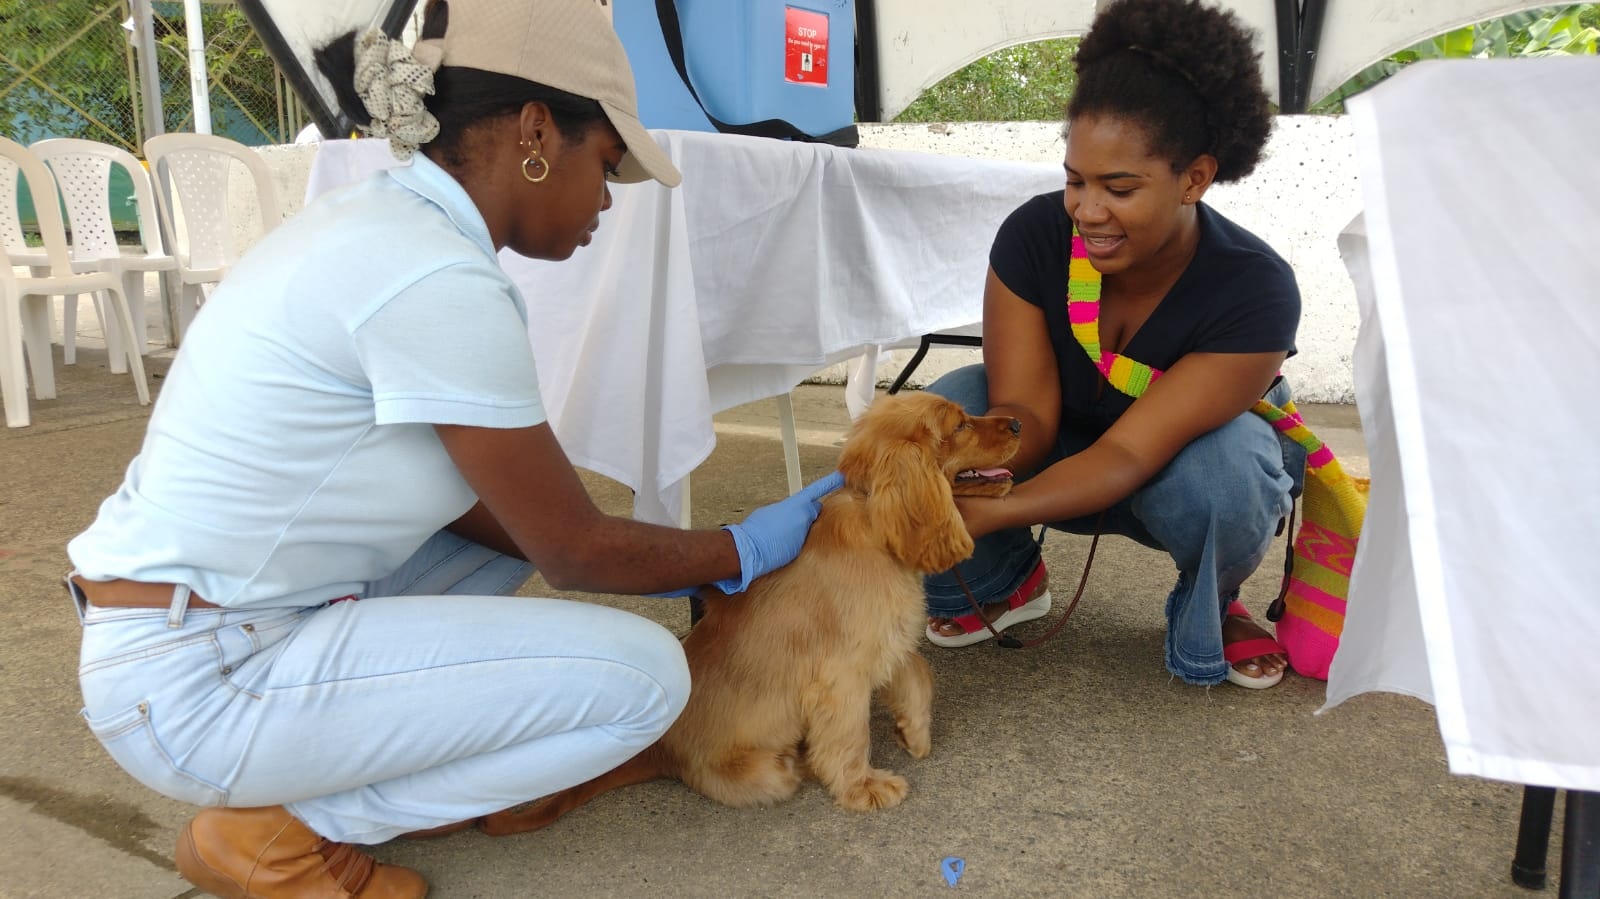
(78, 599)
(180, 605)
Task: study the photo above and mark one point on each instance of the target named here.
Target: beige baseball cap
(565, 44)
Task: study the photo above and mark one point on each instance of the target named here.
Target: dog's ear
(911, 508)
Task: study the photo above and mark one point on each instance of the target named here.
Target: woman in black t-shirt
(1169, 101)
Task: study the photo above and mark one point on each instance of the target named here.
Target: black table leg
(1533, 837)
(1580, 847)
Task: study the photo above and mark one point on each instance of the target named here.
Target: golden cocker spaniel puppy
(784, 674)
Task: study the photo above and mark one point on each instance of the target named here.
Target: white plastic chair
(82, 170)
(191, 176)
(12, 240)
(24, 307)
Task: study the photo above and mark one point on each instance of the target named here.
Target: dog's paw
(915, 739)
(879, 789)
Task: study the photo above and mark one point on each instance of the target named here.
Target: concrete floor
(1075, 768)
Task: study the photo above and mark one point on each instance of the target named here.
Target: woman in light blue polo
(295, 607)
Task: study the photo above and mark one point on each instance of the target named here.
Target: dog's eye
(964, 426)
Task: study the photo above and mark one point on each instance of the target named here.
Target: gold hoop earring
(544, 167)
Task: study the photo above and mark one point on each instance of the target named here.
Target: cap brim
(645, 159)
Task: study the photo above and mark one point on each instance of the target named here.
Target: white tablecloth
(1476, 271)
(772, 260)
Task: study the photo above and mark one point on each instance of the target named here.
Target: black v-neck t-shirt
(1236, 296)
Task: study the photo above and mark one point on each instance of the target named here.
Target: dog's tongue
(985, 474)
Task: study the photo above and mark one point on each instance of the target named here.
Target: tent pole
(395, 21)
(153, 115)
(1287, 13)
(1299, 38)
(1310, 42)
(144, 42)
(199, 89)
(331, 122)
(869, 103)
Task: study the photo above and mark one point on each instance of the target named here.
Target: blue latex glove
(772, 536)
(674, 594)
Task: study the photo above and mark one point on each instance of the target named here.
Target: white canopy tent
(290, 29)
(907, 46)
(919, 42)
(293, 29)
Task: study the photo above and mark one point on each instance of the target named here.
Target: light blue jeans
(434, 698)
(1214, 509)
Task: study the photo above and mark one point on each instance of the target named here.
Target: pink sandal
(1241, 650)
(1030, 601)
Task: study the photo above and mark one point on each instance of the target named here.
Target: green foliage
(1033, 82)
(67, 70)
(1028, 82)
(1573, 29)
(52, 85)
(242, 78)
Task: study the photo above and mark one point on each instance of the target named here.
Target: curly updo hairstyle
(462, 97)
(1187, 72)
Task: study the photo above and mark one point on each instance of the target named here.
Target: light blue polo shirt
(291, 456)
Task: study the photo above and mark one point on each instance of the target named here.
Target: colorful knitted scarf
(1310, 607)
(1083, 311)
(1133, 378)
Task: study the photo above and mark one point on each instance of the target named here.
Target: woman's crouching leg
(1215, 508)
(392, 715)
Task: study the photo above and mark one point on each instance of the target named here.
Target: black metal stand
(1533, 837)
(1580, 845)
(928, 340)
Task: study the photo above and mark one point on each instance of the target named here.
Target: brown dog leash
(1010, 642)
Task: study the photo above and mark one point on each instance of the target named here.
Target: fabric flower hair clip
(391, 80)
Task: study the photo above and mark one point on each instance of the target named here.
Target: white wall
(290, 166)
(1298, 200)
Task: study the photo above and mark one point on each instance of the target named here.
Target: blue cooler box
(749, 61)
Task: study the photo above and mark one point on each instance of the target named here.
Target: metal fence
(68, 69)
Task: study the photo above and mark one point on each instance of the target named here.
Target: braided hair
(1187, 72)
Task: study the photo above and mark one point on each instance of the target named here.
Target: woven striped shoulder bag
(1310, 607)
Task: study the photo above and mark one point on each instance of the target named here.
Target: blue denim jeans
(432, 699)
(1214, 509)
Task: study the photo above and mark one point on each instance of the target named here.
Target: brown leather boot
(265, 853)
(443, 830)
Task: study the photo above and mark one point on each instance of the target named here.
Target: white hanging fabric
(1479, 353)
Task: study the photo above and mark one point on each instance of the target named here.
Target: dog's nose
(1016, 426)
